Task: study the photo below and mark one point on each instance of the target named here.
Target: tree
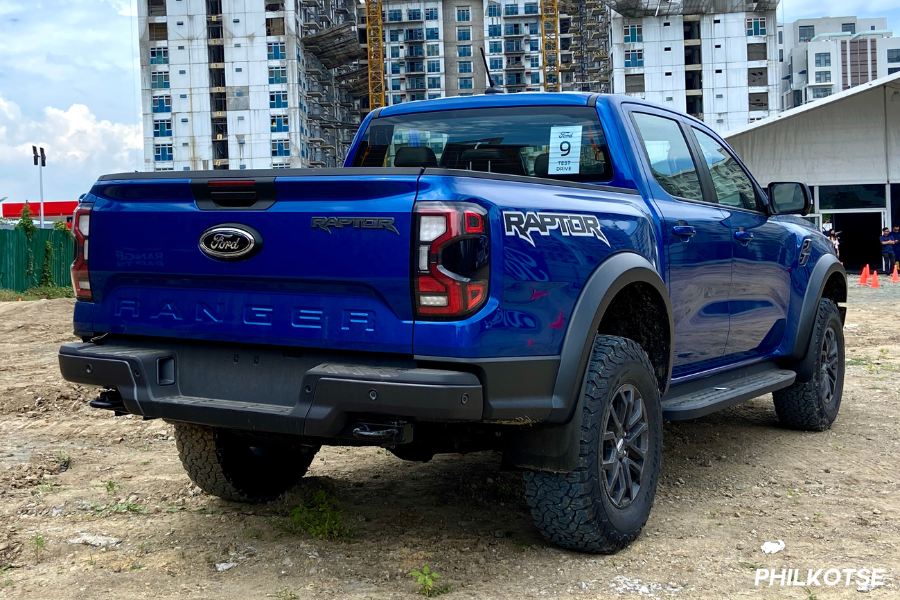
(26, 223)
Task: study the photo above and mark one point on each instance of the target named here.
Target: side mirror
(789, 198)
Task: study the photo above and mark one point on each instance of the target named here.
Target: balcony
(315, 91)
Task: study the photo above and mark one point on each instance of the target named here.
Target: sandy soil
(730, 482)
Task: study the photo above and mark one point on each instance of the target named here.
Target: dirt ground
(730, 482)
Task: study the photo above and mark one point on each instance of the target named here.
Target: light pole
(40, 161)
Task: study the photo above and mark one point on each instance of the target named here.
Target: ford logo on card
(230, 241)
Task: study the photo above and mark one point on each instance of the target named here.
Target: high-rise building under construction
(235, 84)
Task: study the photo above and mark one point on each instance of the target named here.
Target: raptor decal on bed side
(521, 224)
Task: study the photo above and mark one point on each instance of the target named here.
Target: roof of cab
(505, 100)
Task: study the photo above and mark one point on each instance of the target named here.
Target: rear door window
(669, 157)
(558, 142)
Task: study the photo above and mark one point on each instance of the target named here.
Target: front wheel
(604, 503)
(813, 405)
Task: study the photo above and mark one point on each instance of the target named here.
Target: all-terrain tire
(234, 467)
(582, 510)
(814, 404)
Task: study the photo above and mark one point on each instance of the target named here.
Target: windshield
(541, 141)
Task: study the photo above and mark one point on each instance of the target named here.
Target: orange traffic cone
(875, 280)
(864, 276)
(895, 277)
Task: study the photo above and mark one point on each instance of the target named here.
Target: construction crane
(375, 44)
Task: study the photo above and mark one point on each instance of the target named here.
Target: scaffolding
(587, 22)
(667, 8)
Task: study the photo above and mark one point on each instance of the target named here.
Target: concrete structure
(717, 61)
(234, 84)
(847, 148)
(823, 56)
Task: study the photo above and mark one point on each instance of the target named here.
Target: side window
(668, 155)
(733, 186)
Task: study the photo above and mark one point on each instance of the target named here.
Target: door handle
(685, 231)
(743, 236)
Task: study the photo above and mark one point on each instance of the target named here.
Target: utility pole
(40, 161)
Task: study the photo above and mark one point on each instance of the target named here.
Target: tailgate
(329, 266)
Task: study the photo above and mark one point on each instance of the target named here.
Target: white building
(721, 67)
(824, 56)
(227, 84)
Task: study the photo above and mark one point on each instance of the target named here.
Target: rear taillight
(451, 260)
(81, 276)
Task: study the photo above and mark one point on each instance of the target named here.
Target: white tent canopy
(852, 137)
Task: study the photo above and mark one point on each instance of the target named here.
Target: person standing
(895, 234)
(887, 250)
(835, 242)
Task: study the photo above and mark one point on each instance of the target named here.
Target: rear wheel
(231, 466)
(604, 503)
(814, 404)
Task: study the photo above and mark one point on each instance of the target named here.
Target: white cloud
(79, 148)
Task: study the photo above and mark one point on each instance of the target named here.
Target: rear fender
(556, 448)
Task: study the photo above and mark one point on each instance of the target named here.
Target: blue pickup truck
(547, 276)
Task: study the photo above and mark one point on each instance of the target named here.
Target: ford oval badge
(230, 241)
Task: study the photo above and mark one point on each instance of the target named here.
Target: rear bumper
(311, 394)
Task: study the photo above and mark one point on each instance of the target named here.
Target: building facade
(720, 67)
(249, 84)
(820, 57)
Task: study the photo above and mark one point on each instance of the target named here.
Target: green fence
(21, 259)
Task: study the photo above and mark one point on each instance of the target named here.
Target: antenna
(492, 89)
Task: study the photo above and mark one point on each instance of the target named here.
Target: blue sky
(68, 81)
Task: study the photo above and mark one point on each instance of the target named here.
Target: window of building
(395, 68)
(835, 197)
(159, 80)
(466, 83)
(465, 66)
(634, 34)
(634, 58)
(536, 78)
(276, 51)
(759, 101)
(158, 32)
(395, 15)
(159, 56)
(415, 66)
(823, 76)
(535, 62)
(757, 51)
(463, 34)
(396, 99)
(848, 27)
(495, 30)
(162, 104)
(277, 74)
(495, 47)
(532, 8)
(534, 45)
(757, 76)
(432, 49)
(162, 128)
(395, 85)
(156, 8)
(163, 152)
(893, 55)
(634, 84)
(432, 33)
(278, 100)
(667, 152)
(891, 71)
(414, 14)
(280, 124)
(823, 59)
(281, 147)
(413, 35)
(780, 55)
(512, 46)
(215, 54)
(463, 51)
(780, 37)
(494, 10)
(395, 51)
(807, 32)
(434, 66)
(756, 26)
(431, 14)
(463, 14)
(275, 26)
(498, 78)
(819, 92)
(496, 63)
(434, 96)
(511, 10)
(434, 82)
(512, 29)
(533, 28)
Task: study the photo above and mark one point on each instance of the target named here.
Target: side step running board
(701, 397)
